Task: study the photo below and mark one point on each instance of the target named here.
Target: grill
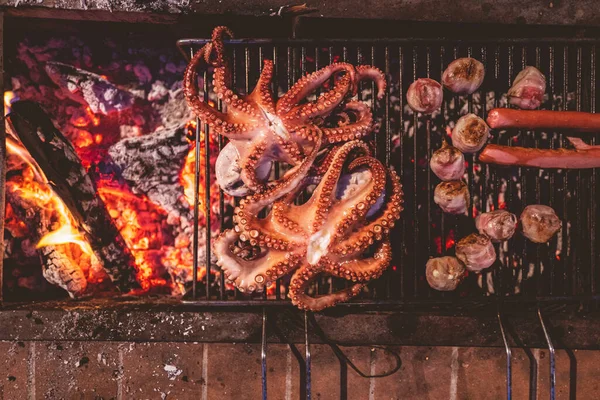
(525, 274)
(563, 270)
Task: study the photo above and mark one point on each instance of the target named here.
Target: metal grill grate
(565, 269)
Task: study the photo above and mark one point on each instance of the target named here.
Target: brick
(234, 371)
(588, 371)
(13, 364)
(481, 373)
(524, 372)
(283, 372)
(75, 370)
(333, 378)
(162, 370)
(425, 373)
(563, 365)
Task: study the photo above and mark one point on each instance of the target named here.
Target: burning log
(90, 89)
(151, 165)
(57, 267)
(71, 182)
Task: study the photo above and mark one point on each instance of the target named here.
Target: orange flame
(65, 234)
(8, 97)
(34, 187)
(187, 175)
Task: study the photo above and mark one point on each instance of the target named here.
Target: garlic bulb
(476, 252)
(499, 225)
(470, 133)
(452, 197)
(425, 95)
(539, 223)
(448, 163)
(528, 89)
(444, 273)
(463, 75)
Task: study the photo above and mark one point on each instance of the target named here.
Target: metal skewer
(307, 359)
(552, 355)
(263, 354)
(508, 359)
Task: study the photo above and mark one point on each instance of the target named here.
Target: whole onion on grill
(470, 133)
(452, 197)
(528, 89)
(463, 75)
(499, 225)
(425, 95)
(448, 163)
(539, 223)
(444, 273)
(476, 252)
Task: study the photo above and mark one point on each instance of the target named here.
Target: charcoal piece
(57, 267)
(71, 182)
(151, 164)
(89, 89)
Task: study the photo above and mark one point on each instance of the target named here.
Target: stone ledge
(176, 322)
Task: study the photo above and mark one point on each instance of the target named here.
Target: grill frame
(583, 50)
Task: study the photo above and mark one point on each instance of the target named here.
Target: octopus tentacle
(217, 44)
(362, 269)
(316, 210)
(356, 130)
(250, 164)
(302, 279)
(303, 133)
(261, 94)
(357, 206)
(293, 151)
(250, 227)
(364, 72)
(194, 100)
(251, 275)
(222, 77)
(377, 229)
(324, 104)
(325, 163)
(309, 83)
(221, 123)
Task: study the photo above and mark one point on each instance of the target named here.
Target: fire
(187, 175)
(20, 152)
(143, 224)
(9, 96)
(139, 226)
(65, 234)
(47, 212)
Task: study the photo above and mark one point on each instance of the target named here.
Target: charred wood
(71, 182)
(89, 89)
(57, 267)
(151, 165)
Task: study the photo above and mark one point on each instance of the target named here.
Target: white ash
(89, 89)
(151, 165)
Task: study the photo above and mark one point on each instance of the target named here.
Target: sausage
(583, 156)
(502, 118)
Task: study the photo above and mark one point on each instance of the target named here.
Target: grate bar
(2, 162)
(592, 211)
(195, 240)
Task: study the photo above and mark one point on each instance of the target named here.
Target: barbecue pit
(552, 279)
